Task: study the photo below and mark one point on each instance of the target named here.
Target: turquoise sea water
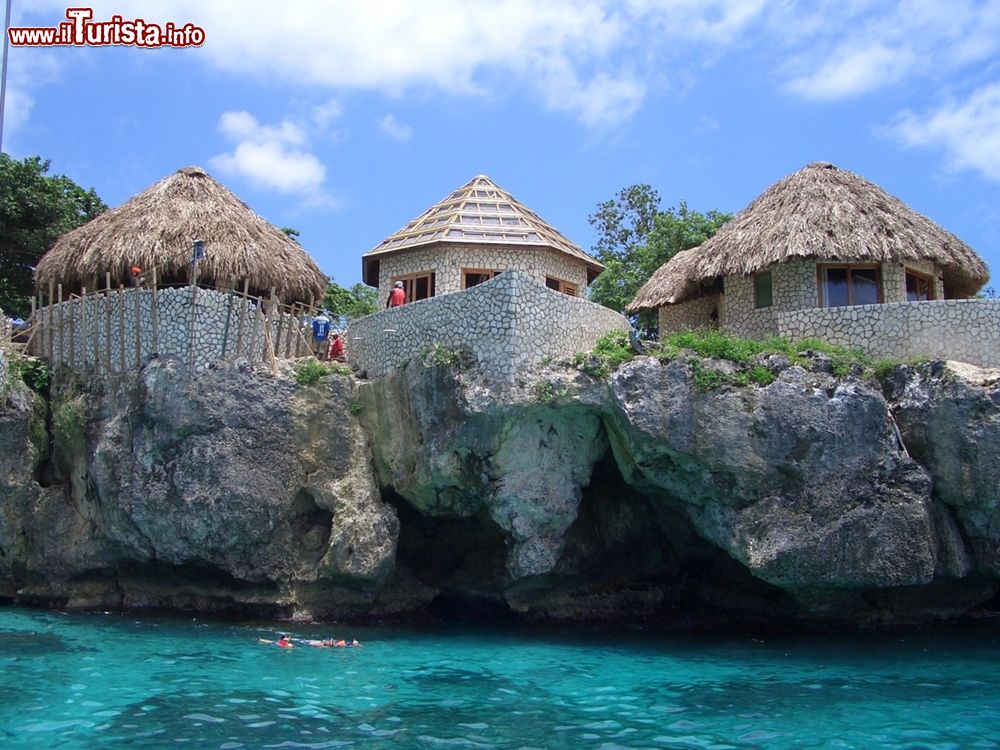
(111, 681)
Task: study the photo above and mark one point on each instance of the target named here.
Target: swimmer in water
(331, 643)
(285, 641)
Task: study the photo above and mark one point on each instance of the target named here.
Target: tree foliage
(35, 210)
(351, 303)
(634, 238)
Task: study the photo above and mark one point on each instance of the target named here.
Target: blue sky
(347, 119)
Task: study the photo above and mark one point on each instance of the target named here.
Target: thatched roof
(156, 228)
(822, 213)
(672, 282)
(479, 212)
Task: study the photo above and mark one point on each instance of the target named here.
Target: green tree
(35, 210)
(634, 238)
(353, 303)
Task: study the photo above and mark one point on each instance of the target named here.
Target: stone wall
(6, 328)
(793, 287)
(508, 323)
(448, 260)
(114, 332)
(701, 312)
(963, 330)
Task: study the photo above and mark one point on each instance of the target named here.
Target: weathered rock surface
(560, 496)
(949, 417)
(227, 487)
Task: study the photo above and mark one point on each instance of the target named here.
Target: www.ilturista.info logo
(80, 30)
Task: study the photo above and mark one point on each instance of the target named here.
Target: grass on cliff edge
(310, 371)
(614, 349)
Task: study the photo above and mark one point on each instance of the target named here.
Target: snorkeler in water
(284, 641)
(331, 643)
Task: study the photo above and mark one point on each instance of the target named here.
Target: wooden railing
(117, 329)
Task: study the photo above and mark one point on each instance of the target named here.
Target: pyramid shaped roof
(479, 212)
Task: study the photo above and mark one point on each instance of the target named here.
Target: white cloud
(968, 132)
(28, 73)
(596, 60)
(593, 59)
(242, 126)
(841, 49)
(325, 113)
(270, 156)
(854, 71)
(394, 128)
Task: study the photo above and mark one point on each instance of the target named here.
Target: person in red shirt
(337, 347)
(397, 296)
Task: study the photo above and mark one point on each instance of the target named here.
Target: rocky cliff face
(811, 499)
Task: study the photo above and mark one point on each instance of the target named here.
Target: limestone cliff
(560, 496)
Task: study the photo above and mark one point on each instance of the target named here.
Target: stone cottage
(155, 230)
(94, 312)
(477, 232)
(825, 253)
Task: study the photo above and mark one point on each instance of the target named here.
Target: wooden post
(191, 325)
(267, 333)
(121, 327)
(290, 333)
(97, 331)
(258, 321)
(72, 332)
(136, 294)
(243, 318)
(280, 330)
(107, 321)
(33, 323)
(62, 324)
(229, 314)
(49, 326)
(154, 316)
(84, 319)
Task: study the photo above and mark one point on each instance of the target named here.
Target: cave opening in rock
(310, 525)
(635, 556)
(462, 557)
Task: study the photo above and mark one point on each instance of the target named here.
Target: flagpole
(3, 79)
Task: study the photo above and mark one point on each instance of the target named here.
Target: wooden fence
(119, 329)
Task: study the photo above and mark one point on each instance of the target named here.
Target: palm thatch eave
(820, 213)
(156, 229)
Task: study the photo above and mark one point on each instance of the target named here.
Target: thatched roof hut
(156, 229)
(822, 213)
(480, 213)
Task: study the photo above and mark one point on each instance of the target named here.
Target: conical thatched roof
(823, 213)
(156, 228)
(672, 282)
(479, 212)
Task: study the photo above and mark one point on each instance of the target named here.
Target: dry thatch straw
(818, 213)
(156, 228)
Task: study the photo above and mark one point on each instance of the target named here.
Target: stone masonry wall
(687, 316)
(964, 330)
(100, 331)
(793, 287)
(894, 280)
(508, 323)
(447, 261)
